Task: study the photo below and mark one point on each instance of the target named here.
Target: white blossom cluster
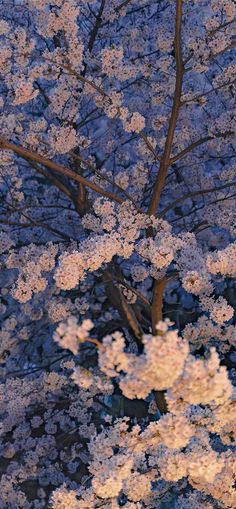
(178, 444)
(149, 371)
(30, 279)
(70, 334)
(117, 203)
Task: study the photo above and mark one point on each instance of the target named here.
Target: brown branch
(149, 145)
(157, 301)
(35, 224)
(104, 177)
(196, 97)
(159, 285)
(193, 194)
(117, 10)
(71, 71)
(139, 294)
(220, 27)
(232, 45)
(78, 199)
(165, 160)
(161, 401)
(197, 143)
(96, 26)
(57, 183)
(118, 301)
(131, 317)
(123, 4)
(66, 172)
(38, 223)
(95, 341)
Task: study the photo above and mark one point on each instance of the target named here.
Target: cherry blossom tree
(118, 254)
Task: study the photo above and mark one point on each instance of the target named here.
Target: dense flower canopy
(117, 254)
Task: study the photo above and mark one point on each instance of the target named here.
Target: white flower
(70, 334)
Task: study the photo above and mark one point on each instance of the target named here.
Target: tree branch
(57, 183)
(157, 301)
(165, 160)
(197, 143)
(193, 194)
(96, 26)
(33, 156)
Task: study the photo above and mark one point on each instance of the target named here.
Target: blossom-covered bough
(117, 254)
